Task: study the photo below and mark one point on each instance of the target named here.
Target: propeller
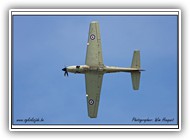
(66, 72)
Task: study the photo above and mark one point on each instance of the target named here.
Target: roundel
(91, 102)
(92, 36)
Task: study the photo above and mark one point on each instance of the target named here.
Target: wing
(93, 89)
(94, 47)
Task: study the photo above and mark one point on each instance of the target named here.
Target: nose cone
(66, 72)
(64, 69)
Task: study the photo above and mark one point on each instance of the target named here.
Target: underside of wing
(94, 47)
(93, 89)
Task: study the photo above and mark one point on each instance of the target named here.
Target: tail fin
(135, 76)
(136, 60)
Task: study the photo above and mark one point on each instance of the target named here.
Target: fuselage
(100, 69)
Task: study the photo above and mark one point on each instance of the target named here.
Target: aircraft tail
(136, 60)
(135, 75)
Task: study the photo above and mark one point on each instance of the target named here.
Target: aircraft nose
(64, 69)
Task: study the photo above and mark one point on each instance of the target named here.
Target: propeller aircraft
(94, 69)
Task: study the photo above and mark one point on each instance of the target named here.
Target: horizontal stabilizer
(136, 60)
(135, 76)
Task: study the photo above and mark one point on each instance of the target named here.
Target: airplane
(94, 69)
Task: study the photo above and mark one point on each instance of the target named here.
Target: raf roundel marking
(91, 102)
(92, 36)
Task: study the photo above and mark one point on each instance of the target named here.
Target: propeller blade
(66, 72)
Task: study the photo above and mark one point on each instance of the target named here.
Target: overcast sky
(43, 45)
